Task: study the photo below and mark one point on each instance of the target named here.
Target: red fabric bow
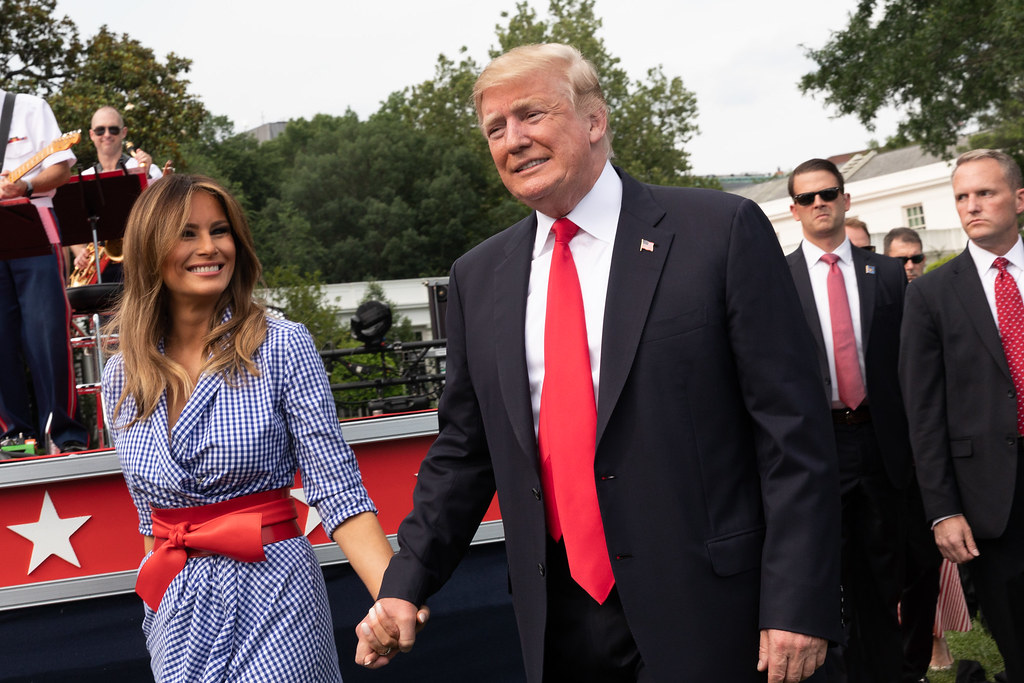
(238, 536)
(233, 528)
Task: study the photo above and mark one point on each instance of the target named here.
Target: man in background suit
(962, 372)
(923, 561)
(853, 301)
(857, 232)
(709, 487)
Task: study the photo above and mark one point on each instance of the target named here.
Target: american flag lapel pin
(647, 245)
(870, 270)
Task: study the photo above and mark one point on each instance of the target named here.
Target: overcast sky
(258, 61)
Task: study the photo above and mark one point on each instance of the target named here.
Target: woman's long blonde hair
(154, 227)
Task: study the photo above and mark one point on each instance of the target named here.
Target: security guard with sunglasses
(853, 303)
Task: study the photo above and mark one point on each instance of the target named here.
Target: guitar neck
(59, 145)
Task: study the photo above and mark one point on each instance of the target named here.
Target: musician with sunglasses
(905, 245)
(853, 303)
(34, 311)
(108, 134)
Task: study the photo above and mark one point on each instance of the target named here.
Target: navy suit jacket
(960, 399)
(715, 464)
(881, 283)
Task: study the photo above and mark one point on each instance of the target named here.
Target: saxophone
(112, 251)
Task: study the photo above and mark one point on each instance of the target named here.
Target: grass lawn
(976, 644)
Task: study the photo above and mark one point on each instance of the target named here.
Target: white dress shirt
(33, 127)
(987, 272)
(818, 271)
(597, 216)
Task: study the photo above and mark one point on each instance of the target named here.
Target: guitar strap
(5, 124)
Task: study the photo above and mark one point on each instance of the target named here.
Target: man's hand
(11, 190)
(955, 541)
(143, 158)
(390, 627)
(789, 657)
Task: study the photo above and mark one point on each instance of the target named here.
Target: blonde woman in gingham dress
(214, 408)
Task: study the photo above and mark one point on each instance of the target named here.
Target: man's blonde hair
(582, 86)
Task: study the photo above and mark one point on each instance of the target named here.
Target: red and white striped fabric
(951, 613)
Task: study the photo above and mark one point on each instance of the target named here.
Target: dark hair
(903, 234)
(816, 165)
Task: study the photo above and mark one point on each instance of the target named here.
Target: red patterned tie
(568, 426)
(844, 342)
(1010, 311)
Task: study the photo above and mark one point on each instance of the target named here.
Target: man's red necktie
(844, 342)
(1010, 311)
(568, 426)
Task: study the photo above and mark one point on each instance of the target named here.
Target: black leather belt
(848, 416)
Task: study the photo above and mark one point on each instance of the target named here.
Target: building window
(915, 216)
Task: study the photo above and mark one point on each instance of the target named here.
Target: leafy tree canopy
(41, 54)
(948, 66)
(38, 51)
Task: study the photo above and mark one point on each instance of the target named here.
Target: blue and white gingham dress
(222, 620)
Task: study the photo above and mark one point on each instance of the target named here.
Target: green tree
(152, 96)
(38, 50)
(300, 297)
(948, 66)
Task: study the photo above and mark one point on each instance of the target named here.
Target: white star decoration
(313, 518)
(51, 535)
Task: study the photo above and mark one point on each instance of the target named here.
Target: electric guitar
(64, 142)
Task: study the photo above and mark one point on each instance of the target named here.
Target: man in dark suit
(698, 538)
(962, 372)
(853, 302)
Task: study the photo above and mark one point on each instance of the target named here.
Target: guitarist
(34, 311)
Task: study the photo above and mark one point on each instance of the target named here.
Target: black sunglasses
(807, 198)
(916, 258)
(116, 130)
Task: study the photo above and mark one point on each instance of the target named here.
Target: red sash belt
(237, 528)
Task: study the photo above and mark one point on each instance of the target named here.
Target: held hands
(390, 627)
(955, 541)
(789, 657)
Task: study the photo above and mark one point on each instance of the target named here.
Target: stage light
(371, 322)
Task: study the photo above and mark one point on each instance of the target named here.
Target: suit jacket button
(1011, 393)
(536, 493)
(1011, 442)
(540, 569)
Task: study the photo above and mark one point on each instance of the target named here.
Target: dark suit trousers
(920, 588)
(584, 640)
(998, 574)
(873, 538)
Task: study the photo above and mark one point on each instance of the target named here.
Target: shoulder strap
(5, 124)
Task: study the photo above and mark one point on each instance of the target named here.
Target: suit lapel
(802, 280)
(967, 286)
(867, 282)
(632, 282)
(511, 284)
